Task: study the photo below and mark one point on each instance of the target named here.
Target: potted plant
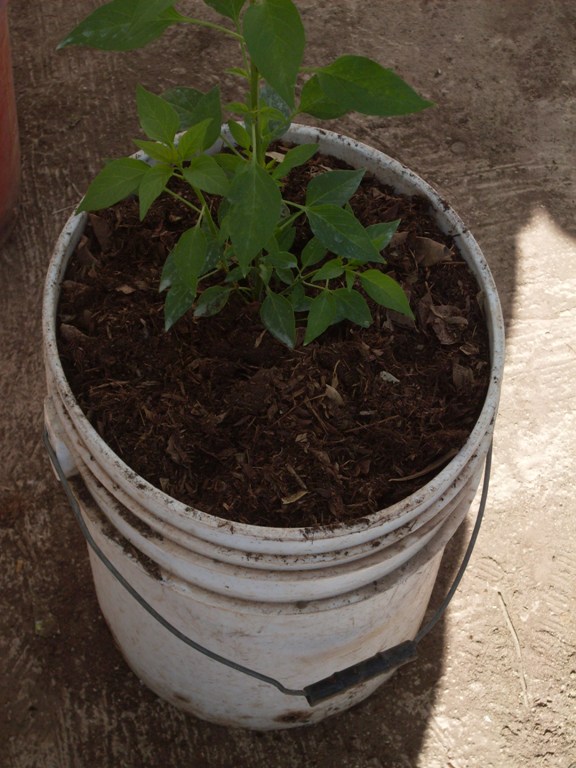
(250, 226)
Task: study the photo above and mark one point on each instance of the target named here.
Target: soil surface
(225, 418)
(495, 683)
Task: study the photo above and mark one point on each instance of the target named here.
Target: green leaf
(265, 272)
(254, 211)
(273, 124)
(184, 100)
(276, 113)
(385, 291)
(158, 119)
(381, 234)
(157, 151)
(205, 174)
(193, 141)
(285, 238)
(152, 185)
(234, 276)
(277, 315)
(321, 316)
(229, 8)
(118, 179)
(215, 254)
(239, 72)
(186, 260)
(123, 25)
(351, 305)
(341, 232)
(193, 107)
(286, 276)
(222, 216)
(298, 298)
(230, 164)
(179, 300)
(275, 38)
(313, 101)
(212, 300)
(312, 253)
(329, 271)
(282, 260)
(239, 134)
(238, 107)
(333, 187)
(362, 85)
(180, 275)
(293, 158)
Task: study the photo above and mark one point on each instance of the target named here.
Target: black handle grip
(382, 662)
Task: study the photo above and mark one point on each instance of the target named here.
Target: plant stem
(205, 208)
(231, 146)
(258, 154)
(206, 211)
(290, 220)
(183, 200)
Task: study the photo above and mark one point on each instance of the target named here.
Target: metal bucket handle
(340, 681)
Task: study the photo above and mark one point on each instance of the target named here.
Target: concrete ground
(495, 686)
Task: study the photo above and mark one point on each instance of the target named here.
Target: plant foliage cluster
(245, 243)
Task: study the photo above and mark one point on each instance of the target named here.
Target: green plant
(243, 241)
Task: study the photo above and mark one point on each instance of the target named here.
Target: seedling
(243, 237)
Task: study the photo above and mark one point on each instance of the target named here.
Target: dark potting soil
(221, 416)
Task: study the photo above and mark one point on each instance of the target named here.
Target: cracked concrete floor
(495, 686)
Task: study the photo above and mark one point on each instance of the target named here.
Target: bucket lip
(402, 511)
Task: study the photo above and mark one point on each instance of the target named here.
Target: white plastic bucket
(294, 605)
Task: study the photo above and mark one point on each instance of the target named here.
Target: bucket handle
(343, 680)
